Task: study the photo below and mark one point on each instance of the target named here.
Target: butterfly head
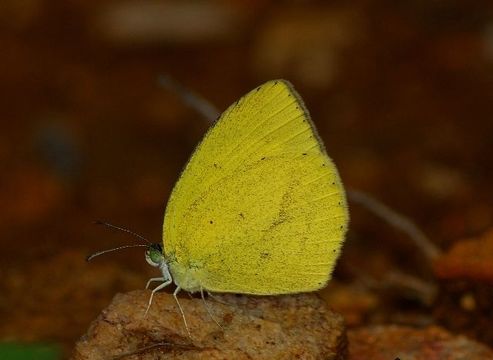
(154, 255)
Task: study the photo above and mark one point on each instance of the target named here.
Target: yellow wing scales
(259, 208)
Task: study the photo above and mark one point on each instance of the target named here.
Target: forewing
(259, 207)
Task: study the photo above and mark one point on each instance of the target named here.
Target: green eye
(154, 255)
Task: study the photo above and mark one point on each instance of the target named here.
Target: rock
(465, 274)
(275, 327)
(468, 259)
(400, 342)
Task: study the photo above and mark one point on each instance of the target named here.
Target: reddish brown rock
(399, 342)
(278, 327)
(468, 259)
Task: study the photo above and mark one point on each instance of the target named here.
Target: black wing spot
(242, 216)
(215, 165)
(211, 222)
(275, 82)
(333, 182)
(323, 164)
(304, 154)
(263, 158)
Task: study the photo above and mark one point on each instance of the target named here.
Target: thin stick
(423, 290)
(193, 100)
(426, 291)
(398, 221)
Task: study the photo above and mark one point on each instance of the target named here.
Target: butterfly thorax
(188, 277)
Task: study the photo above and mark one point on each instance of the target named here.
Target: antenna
(99, 222)
(111, 226)
(90, 257)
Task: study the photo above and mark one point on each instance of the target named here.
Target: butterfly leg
(157, 288)
(151, 280)
(181, 310)
(208, 309)
(215, 298)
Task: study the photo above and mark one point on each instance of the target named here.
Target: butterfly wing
(260, 207)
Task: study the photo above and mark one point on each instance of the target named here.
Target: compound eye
(153, 257)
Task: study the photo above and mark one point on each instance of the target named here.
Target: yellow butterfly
(259, 208)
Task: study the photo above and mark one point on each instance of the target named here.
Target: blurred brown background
(401, 92)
